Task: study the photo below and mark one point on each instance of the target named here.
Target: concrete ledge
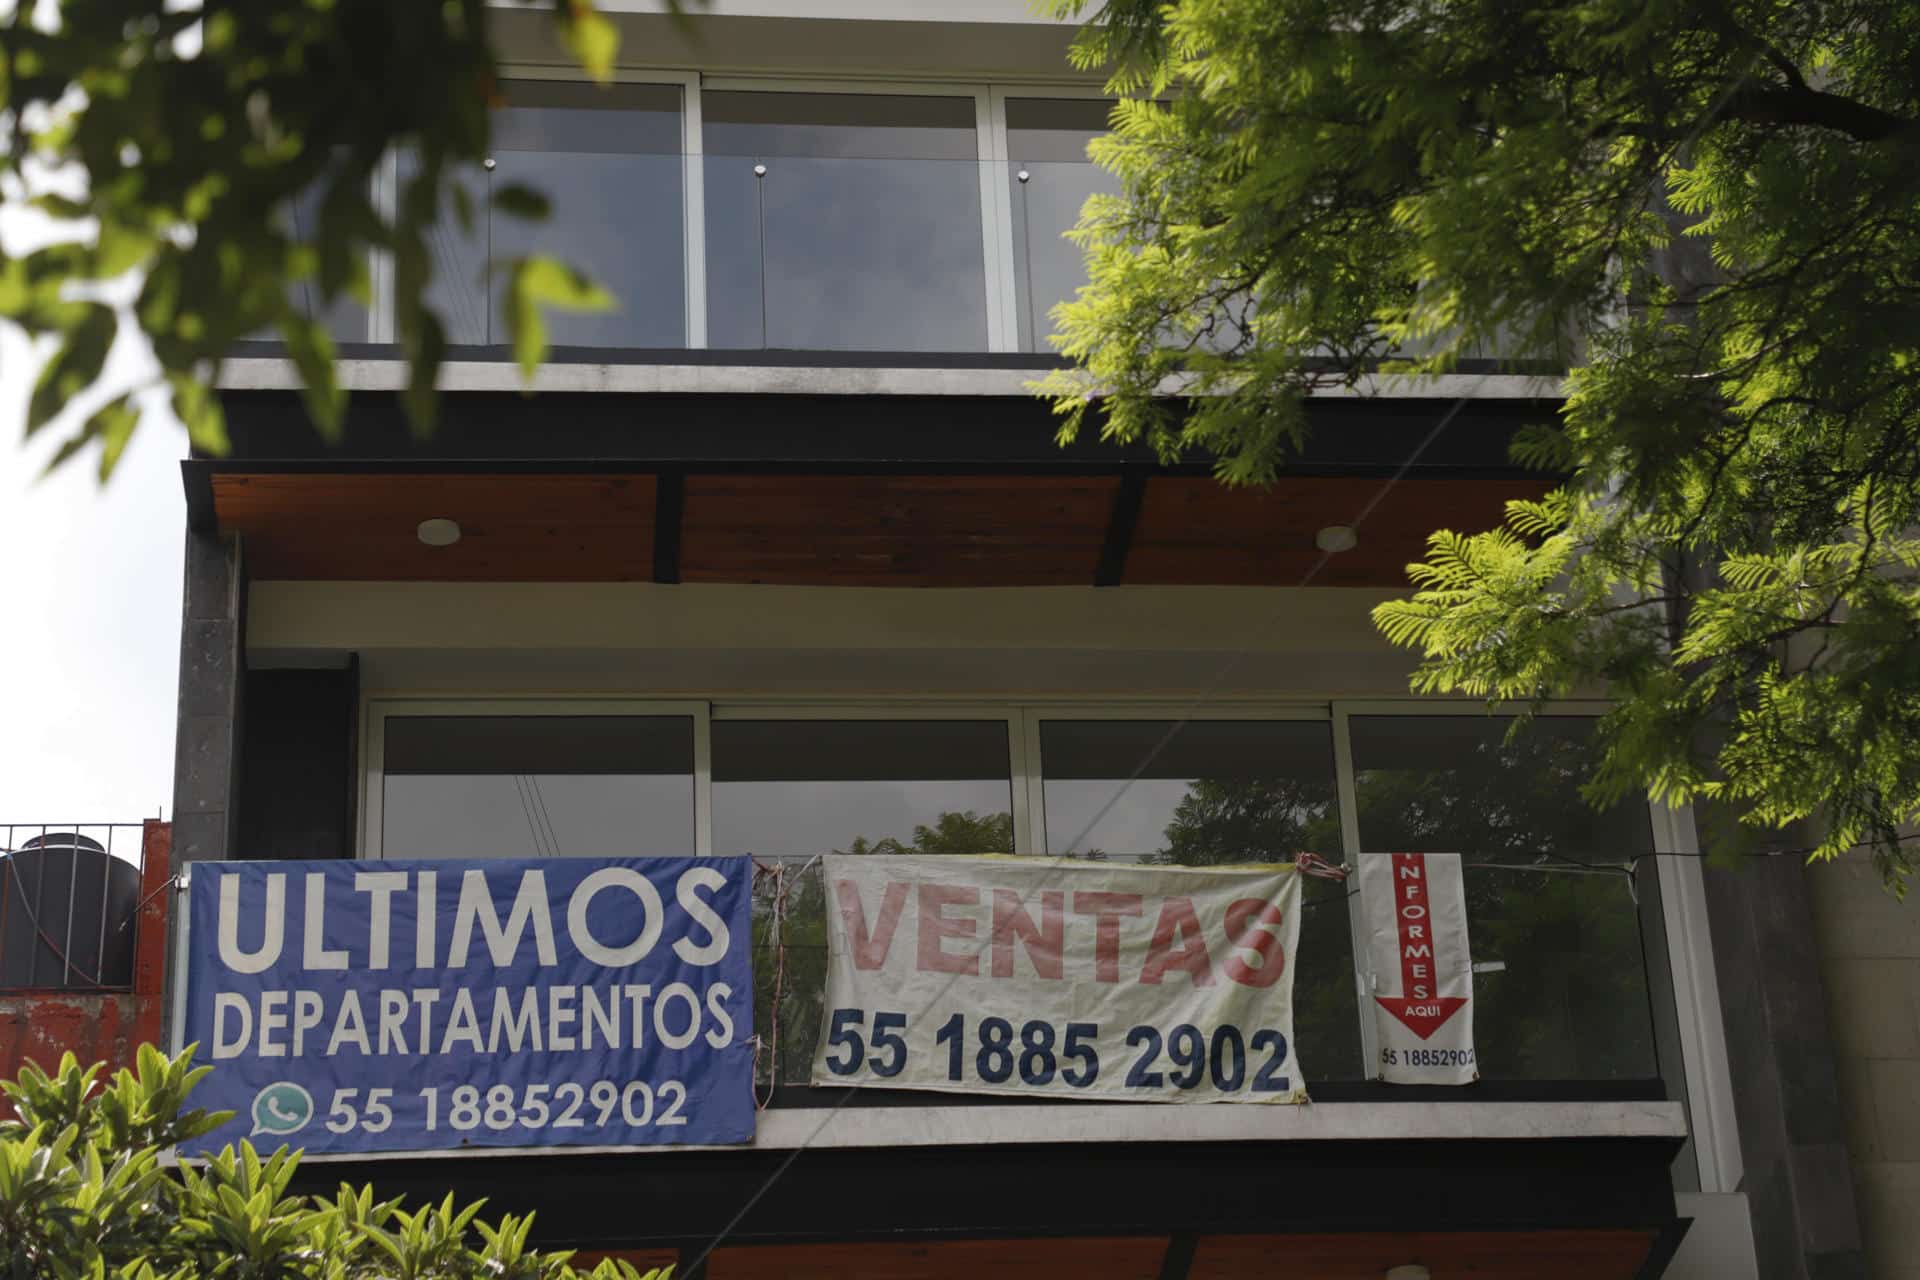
(257, 373)
(854, 1127)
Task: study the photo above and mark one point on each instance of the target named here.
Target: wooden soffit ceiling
(966, 530)
(1481, 1255)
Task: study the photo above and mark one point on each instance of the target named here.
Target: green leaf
(426, 348)
(311, 347)
(195, 405)
(74, 367)
(538, 281)
(590, 37)
(115, 425)
(522, 201)
(120, 249)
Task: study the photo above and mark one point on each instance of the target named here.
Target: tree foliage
(85, 1195)
(157, 148)
(1712, 211)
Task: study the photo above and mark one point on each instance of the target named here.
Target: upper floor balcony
(748, 215)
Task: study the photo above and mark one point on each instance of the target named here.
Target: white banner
(1416, 913)
(1059, 977)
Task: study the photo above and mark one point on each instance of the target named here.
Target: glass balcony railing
(1049, 268)
(822, 222)
(845, 253)
(617, 217)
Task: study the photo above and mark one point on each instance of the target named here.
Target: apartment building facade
(782, 559)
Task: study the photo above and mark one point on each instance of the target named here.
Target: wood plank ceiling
(843, 530)
(1479, 1255)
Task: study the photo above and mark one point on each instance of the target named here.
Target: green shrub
(90, 1191)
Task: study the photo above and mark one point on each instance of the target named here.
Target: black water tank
(66, 914)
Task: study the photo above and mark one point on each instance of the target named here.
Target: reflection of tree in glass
(1572, 1001)
(1222, 821)
(804, 931)
(950, 833)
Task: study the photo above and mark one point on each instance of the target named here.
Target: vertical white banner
(1416, 913)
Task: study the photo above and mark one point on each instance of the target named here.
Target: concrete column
(212, 659)
(1870, 952)
(1793, 1134)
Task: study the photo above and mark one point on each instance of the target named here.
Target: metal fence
(69, 895)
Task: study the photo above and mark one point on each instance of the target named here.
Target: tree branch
(1773, 105)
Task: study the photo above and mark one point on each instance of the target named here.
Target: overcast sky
(89, 644)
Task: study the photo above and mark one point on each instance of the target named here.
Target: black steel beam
(573, 431)
(669, 505)
(1120, 525)
(688, 1198)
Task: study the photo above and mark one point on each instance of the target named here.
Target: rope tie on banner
(783, 885)
(1312, 864)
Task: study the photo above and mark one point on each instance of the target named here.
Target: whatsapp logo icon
(281, 1108)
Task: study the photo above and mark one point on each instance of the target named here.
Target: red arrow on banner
(1416, 1006)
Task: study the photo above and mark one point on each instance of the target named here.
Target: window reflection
(1571, 1002)
(843, 222)
(609, 159)
(537, 786)
(1051, 179)
(1214, 793)
(786, 790)
(795, 788)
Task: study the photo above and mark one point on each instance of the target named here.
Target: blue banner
(351, 1007)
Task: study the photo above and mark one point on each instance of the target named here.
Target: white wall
(639, 638)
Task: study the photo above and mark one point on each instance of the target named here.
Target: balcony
(767, 216)
(1573, 989)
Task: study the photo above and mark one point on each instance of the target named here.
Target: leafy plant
(85, 1193)
(151, 153)
(1706, 215)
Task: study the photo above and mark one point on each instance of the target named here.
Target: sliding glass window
(531, 786)
(610, 162)
(787, 790)
(842, 221)
(796, 788)
(1204, 793)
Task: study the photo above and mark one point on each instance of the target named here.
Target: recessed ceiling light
(1411, 1271)
(439, 532)
(1337, 537)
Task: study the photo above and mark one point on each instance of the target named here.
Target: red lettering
(1106, 909)
(1045, 941)
(935, 926)
(870, 950)
(1177, 920)
(1248, 922)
